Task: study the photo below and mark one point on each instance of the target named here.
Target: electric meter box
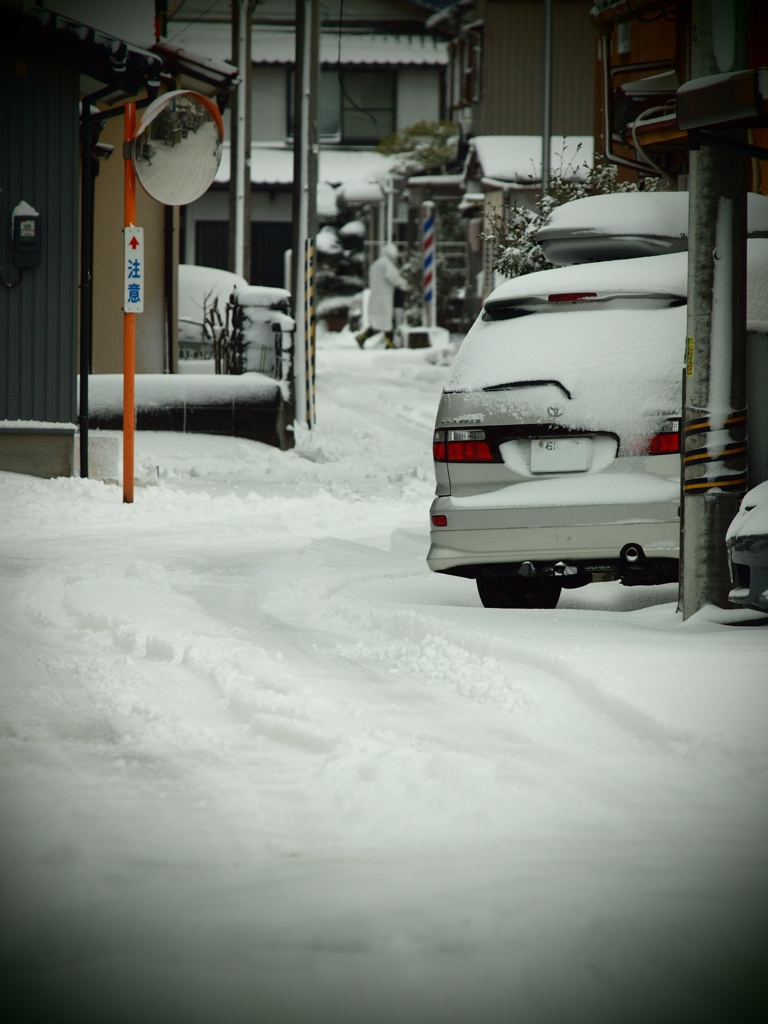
(27, 244)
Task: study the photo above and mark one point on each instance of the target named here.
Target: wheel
(516, 592)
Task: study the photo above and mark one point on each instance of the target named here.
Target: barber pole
(430, 281)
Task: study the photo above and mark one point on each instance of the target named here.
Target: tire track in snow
(474, 662)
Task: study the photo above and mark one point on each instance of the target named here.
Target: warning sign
(133, 294)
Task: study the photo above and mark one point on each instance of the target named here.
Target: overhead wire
(344, 92)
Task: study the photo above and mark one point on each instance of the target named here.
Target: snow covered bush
(340, 260)
(426, 147)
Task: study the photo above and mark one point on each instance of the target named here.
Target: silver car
(556, 444)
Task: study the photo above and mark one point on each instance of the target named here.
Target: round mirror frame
(176, 149)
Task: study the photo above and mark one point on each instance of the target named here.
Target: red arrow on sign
(133, 242)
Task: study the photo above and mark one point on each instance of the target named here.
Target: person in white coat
(383, 278)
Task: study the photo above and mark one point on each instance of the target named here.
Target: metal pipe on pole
(87, 162)
(240, 170)
(129, 319)
(305, 160)
(714, 381)
(390, 208)
(546, 98)
(86, 273)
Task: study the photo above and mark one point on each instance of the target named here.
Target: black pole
(168, 268)
(86, 264)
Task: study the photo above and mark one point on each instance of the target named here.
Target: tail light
(667, 441)
(572, 296)
(439, 453)
(461, 446)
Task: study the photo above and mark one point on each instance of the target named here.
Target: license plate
(559, 454)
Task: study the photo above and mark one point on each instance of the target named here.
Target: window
(212, 243)
(353, 106)
(269, 240)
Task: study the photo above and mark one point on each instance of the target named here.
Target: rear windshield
(510, 309)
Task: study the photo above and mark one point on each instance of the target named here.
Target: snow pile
(259, 763)
(199, 287)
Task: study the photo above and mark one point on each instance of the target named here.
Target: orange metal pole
(129, 322)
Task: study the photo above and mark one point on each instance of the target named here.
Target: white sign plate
(559, 454)
(133, 293)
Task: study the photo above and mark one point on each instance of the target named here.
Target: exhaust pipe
(632, 554)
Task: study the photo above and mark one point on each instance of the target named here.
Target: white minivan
(557, 438)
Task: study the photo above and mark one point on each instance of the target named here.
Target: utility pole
(240, 163)
(714, 379)
(305, 159)
(546, 97)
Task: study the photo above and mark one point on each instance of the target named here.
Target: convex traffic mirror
(177, 147)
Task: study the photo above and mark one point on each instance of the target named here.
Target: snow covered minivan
(556, 444)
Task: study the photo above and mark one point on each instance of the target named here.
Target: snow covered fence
(250, 405)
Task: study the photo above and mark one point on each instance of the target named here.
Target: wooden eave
(626, 10)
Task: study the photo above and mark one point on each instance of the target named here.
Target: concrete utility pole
(546, 98)
(240, 163)
(714, 389)
(305, 159)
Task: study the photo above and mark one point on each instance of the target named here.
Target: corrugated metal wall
(39, 163)
(512, 69)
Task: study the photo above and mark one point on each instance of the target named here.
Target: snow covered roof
(278, 46)
(364, 49)
(359, 170)
(272, 164)
(437, 185)
(502, 160)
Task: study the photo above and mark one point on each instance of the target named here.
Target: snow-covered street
(259, 764)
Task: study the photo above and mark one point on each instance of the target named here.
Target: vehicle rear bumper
(488, 536)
